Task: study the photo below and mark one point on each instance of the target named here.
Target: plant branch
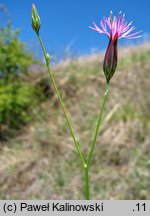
(47, 59)
(98, 124)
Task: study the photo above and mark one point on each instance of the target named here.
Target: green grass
(120, 166)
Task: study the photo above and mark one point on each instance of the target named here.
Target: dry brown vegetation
(41, 162)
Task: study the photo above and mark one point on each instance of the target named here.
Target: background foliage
(17, 96)
(14, 57)
(16, 101)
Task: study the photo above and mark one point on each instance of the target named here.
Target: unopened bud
(47, 58)
(110, 60)
(36, 23)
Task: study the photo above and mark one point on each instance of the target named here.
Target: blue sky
(65, 22)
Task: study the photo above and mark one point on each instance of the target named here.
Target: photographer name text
(59, 207)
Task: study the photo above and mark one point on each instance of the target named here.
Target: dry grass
(41, 162)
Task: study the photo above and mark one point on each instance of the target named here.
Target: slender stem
(94, 142)
(98, 124)
(60, 100)
(87, 194)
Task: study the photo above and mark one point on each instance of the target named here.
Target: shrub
(17, 101)
(14, 57)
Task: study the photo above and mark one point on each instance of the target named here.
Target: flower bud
(47, 58)
(36, 23)
(110, 60)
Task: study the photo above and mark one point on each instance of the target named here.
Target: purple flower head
(115, 28)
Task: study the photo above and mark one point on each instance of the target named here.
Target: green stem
(98, 124)
(94, 142)
(60, 100)
(87, 194)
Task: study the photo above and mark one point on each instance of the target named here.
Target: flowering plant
(118, 28)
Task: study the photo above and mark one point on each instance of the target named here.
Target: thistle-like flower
(35, 21)
(118, 28)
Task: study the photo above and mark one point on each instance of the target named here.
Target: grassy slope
(41, 163)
